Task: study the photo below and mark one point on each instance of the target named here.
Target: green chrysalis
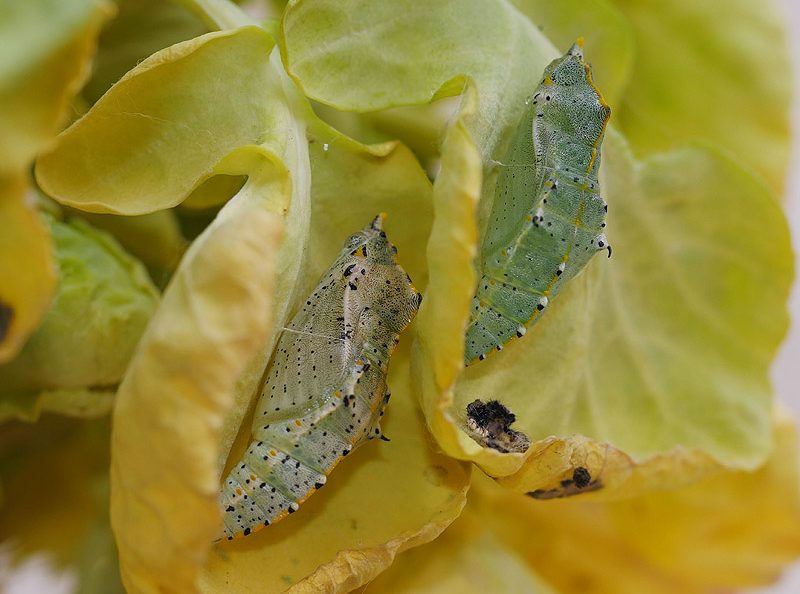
(548, 217)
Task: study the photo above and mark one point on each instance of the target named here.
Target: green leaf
(216, 105)
(412, 56)
(608, 34)
(658, 348)
(155, 239)
(696, 75)
(390, 180)
(102, 305)
(87, 403)
(693, 74)
(419, 127)
(26, 267)
(451, 251)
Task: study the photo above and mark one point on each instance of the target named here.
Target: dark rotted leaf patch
(581, 482)
(490, 423)
(6, 315)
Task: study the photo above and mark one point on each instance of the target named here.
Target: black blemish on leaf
(581, 482)
(6, 315)
(486, 414)
(581, 477)
(490, 425)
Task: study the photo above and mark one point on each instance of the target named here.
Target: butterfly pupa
(325, 386)
(548, 218)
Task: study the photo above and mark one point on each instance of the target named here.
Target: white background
(786, 370)
(37, 577)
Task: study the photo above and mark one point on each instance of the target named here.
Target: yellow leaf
(46, 49)
(383, 499)
(213, 319)
(390, 180)
(436, 358)
(168, 125)
(140, 28)
(46, 52)
(466, 559)
(729, 530)
(26, 267)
